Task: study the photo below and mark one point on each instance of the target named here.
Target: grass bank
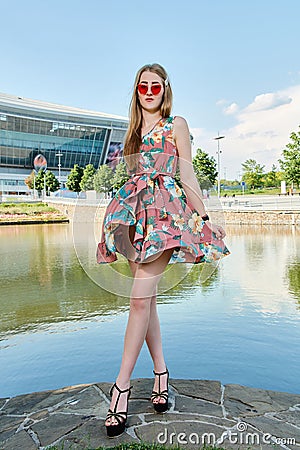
(28, 213)
(258, 191)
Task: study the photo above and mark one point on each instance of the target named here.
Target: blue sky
(233, 65)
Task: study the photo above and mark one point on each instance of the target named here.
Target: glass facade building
(30, 127)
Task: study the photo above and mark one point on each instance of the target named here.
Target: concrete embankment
(89, 213)
(201, 412)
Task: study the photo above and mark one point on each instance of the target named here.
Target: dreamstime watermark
(239, 435)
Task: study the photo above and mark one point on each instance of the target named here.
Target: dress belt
(160, 203)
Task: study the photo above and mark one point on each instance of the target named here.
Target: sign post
(40, 163)
(243, 187)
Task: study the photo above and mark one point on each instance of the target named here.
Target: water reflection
(293, 279)
(262, 256)
(238, 322)
(43, 281)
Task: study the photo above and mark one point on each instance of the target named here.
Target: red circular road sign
(40, 162)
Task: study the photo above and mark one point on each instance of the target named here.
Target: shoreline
(90, 215)
(32, 221)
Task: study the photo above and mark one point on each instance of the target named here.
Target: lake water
(238, 323)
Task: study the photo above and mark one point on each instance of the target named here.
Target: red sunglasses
(155, 88)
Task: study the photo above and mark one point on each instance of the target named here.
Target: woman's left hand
(217, 229)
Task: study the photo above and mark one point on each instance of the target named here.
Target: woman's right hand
(217, 229)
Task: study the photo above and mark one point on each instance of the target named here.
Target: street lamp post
(219, 168)
(44, 184)
(59, 154)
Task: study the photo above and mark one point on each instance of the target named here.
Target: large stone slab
(25, 404)
(280, 430)
(140, 407)
(182, 417)
(28, 403)
(142, 388)
(20, 441)
(134, 419)
(92, 435)
(203, 389)
(195, 405)
(291, 416)
(56, 426)
(87, 402)
(246, 401)
(9, 423)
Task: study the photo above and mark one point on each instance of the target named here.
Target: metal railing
(261, 203)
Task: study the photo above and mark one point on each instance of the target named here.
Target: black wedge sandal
(161, 407)
(121, 416)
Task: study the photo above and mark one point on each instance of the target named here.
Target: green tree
(270, 178)
(52, 183)
(279, 177)
(40, 181)
(103, 179)
(253, 173)
(120, 176)
(290, 164)
(87, 180)
(74, 178)
(205, 169)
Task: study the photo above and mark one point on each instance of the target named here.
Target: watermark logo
(240, 434)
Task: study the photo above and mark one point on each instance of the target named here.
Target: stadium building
(59, 136)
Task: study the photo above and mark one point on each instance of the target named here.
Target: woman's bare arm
(187, 175)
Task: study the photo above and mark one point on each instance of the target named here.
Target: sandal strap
(114, 412)
(162, 395)
(118, 389)
(159, 375)
(117, 415)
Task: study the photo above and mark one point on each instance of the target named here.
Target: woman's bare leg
(144, 287)
(153, 335)
(154, 341)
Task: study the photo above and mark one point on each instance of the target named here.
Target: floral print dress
(156, 209)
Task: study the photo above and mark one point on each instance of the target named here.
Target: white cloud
(262, 131)
(228, 108)
(268, 101)
(231, 109)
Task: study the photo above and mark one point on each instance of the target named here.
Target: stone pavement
(202, 411)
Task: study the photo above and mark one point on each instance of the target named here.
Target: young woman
(153, 222)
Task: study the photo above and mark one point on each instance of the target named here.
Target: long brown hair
(133, 138)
